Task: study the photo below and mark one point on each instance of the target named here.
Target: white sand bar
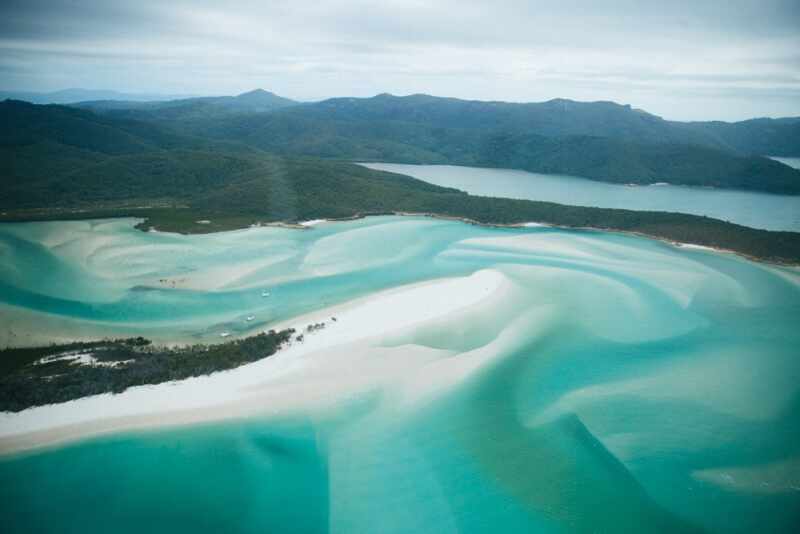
(296, 377)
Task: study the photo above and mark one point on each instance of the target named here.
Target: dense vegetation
(26, 381)
(43, 148)
(59, 156)
(598, 140)
(70, 163)
(775, 137)
(620, 161)
(780, 247)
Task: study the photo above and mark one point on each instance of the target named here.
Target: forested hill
(58, 162)
(554, 118)
(562, 117)
(773, 137)
(599, 158)
(61, 157)
(598, 140)
(256, 101)
(56, 156)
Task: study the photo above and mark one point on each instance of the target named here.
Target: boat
(265, 293)
(250, 317)
(225, 334)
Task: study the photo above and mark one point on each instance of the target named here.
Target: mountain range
(72, 96)
(256, 101)
(597, 140)
(554, 118)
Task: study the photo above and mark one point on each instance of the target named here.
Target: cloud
(668, 57)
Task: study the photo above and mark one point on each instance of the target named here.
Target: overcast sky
(681, 59)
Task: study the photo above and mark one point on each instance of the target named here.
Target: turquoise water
(107, 278)
(618, 384)
(757, 210)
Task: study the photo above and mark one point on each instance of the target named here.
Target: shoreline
(536, 224)
(676, 244)
(65, 335)
(146, 226)
(366, 164)
(264, 387)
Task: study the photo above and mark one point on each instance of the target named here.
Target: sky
(681, 59)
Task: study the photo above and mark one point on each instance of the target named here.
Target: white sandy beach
(349, 347)
(698, 247)
(312, 222)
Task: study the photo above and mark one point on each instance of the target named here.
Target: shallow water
(756, 210)
(616, 384)
(105, 278)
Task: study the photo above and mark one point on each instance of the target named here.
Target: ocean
(614, 384)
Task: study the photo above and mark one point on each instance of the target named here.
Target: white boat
(225, 334)
(250, 317)
(265, 293)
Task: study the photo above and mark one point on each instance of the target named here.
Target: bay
(756, 210)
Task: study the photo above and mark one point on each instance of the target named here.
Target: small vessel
(225, 334)
(250, 317)
(265, 293)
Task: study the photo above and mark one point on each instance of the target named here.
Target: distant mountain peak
(257, 92)
(554, 101)
(262, 97)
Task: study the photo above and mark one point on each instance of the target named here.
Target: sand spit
(261, 388)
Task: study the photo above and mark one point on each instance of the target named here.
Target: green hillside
(619, 161)
(60, 156)
(771, 137)
(600, 140)
(65, 163)
(597, 140)
(256, 101)
(554, 118)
